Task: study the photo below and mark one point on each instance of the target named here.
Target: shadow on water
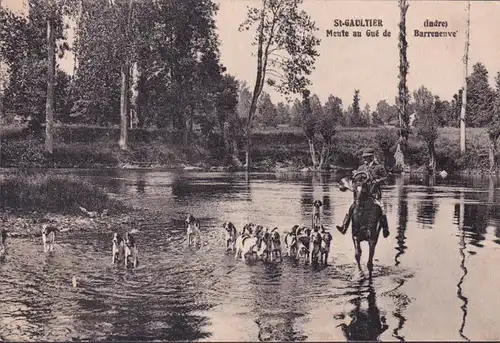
(402, 199)
(365, 323)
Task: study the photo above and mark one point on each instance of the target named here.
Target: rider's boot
(385, 226)
(345, 224)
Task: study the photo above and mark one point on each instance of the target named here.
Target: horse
(365, 218)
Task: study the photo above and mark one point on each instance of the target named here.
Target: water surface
(436, 277)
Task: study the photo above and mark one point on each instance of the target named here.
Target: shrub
(53, 193)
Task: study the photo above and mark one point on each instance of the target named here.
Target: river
(435, 277)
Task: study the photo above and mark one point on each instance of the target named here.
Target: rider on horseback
(378, 174)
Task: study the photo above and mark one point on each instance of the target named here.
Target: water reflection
(427, 208)
(365, 321)
(462, 247)
(402, 192)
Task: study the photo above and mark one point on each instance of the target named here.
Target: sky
(370, 64)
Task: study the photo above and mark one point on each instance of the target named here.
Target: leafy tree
(286, 51)
(355, 118)
(427, 122)
(386, 139)
(479, 97)
(296, 113)
(386, 112)
(319, 128)
(267, 113)
(494, 125)
(283, 113)
(333, 108)
(366, 115)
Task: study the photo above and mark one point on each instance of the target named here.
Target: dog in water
(326, 240)
(246, 245)
(290, 241)
(264, 249)
(275, 244)
(3, 241)
(118, 247)
(193, 229)
(48, 237)
(315, 240)
(131, 250)
(231, 235)
(316, 219)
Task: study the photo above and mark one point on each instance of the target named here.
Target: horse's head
(361, 185)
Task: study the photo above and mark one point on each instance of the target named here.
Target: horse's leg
(357, 246)
(372, 245)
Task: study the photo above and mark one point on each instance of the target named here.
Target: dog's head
(117, 238)
(190, 219)
(275, 235)
(327, 237)
(315, 238)
(47, 229)
(129, 240)
(317, 204)
(229, 227)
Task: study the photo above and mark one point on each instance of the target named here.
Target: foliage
(480, 97)
(53, 193)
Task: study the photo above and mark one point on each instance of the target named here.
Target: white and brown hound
(131, 250)
(246, 245)
(316, 218)
(231, 235)
(326, 240)
(48, 237)
(118, 248)
(315, 240)
(275, 244)
(193, 230)
(264, 248)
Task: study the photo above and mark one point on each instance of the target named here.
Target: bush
(53, 193)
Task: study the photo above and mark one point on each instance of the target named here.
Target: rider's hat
(368, 152)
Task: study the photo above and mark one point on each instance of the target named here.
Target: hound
(193, 229)
(130, 250)
(118, 247)
(316, 219)
(326, 239)
(303, 241)
(3, 239)
(275, 244)
(231, 234)
(245, 245)
(315, 240)
(290, 240)
(264, 244)
(48, 237)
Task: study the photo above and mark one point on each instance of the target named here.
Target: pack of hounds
(254, 241)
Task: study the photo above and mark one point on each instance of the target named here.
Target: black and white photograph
(249, 170)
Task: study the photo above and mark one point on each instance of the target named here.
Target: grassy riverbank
(95, 147)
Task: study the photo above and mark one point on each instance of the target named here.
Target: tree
(386, 112)
(267, 113)
(480, 97)
(494, 125)
(286, 51)
(463, 109)
(283, 113)
(355, 115)
(366, 115)
(333, 108)
(427, 122)
(319, 128)
(403, 97)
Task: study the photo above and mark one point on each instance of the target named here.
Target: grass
(53, 193)
(87, 146)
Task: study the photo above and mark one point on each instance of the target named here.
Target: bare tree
(403, 94)
(286, 52)
(464, 92)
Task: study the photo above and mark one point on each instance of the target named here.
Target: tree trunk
(49, 106)
(403, 97)
(464, 92)
(491, 152)
(248, 152)
(134, 90)
(312, 151)
(125, 76)
(432, 158)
